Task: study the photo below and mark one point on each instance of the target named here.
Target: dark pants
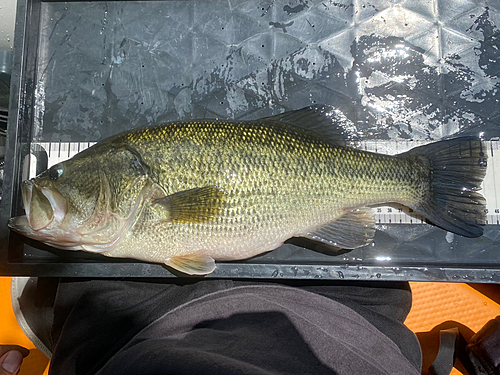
(93, 319)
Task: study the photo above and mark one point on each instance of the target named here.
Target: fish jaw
(46, 210)
(101, 233)
(58, 203)
(39, 212)
(62, 238)
(20, 224)
(51, 237)
(43, 206)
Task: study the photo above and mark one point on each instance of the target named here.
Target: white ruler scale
(394, 214)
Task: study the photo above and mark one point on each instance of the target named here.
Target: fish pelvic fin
(198, 263)
(196, 205)
(456, 170)
(352, 230)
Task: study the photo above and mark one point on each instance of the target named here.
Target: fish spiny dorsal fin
(326, 121)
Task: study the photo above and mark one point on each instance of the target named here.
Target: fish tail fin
(456, 169)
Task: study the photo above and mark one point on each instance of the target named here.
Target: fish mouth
(100, 233)
(43, 206)
(45, 210)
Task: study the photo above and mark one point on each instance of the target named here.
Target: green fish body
(188, 193)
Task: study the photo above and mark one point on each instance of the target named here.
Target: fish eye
(56, 171)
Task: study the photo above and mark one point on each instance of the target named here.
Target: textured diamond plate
(417, 70)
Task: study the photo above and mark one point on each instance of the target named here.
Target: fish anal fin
(198, 263)
(352, 230)
(196, 205)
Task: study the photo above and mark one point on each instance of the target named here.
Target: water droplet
(378, 276)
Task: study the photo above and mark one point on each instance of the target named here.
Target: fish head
(83, 202)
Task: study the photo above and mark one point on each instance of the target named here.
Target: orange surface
(443, 305)
(433, 304)
(10, 333)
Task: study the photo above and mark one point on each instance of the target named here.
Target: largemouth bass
(191, 192)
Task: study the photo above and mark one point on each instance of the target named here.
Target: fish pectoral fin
(354, 229)
(196, 205)
(199, 263)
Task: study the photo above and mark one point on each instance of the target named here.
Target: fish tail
(456, 169)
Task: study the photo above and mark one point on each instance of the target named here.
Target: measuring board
(393, 214)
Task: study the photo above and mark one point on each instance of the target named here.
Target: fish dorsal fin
(327, 121)
(354, 229)
(196, 205)
(199, 263)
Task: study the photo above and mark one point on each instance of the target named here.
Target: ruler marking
(491, 183)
